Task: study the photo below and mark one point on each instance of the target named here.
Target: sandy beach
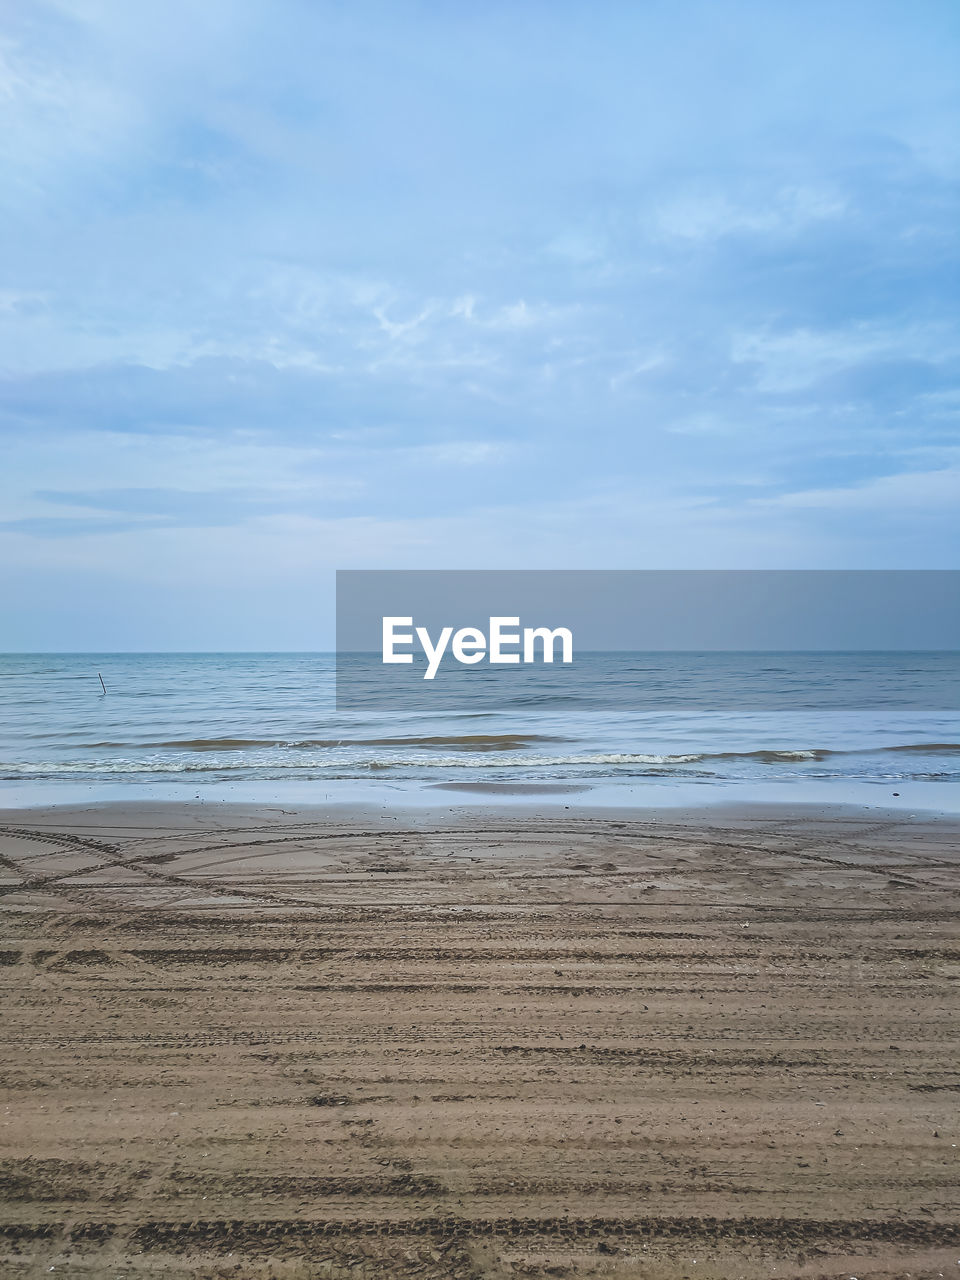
(479, 1042)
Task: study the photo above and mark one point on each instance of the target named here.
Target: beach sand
(469, 1042)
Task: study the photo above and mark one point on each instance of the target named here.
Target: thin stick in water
(102, 685)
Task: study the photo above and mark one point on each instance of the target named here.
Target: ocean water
(636, 727)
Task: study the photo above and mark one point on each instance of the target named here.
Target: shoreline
(580, 795)
(202, 814)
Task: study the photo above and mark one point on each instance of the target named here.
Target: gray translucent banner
(473, 641)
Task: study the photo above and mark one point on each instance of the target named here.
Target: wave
(483, 756)
(493, 742)
(769, 756)
(161, 765)
(458, 742)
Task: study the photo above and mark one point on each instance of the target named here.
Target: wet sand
(479, 1043)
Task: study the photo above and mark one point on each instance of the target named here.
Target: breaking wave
(492, 751)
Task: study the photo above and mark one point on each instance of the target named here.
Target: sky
(289, 287)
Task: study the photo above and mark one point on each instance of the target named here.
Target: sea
(870, 728)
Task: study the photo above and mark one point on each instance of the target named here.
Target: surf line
(470, 645)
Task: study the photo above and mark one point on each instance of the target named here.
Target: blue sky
(289, 287)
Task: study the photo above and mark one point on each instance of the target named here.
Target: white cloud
(796, 359)
(189, 464)
(461, 453)
(913, 491)
(710, 215)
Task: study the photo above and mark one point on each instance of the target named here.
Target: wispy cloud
(900, 494)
